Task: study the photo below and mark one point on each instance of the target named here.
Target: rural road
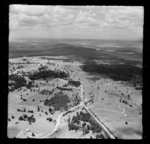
(59, 117)
(105, 129)
(96, 119)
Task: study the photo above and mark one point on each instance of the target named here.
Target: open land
(72, 91)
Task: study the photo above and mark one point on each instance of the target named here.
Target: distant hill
(80, 48)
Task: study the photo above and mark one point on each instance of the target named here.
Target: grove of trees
(19, 81)
(118, 72)
(46, 92)
(59, 101)
(74, 83)
(48, 74)
(84, 117)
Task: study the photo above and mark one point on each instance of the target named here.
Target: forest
(117, 72)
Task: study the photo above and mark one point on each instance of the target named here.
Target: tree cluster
(58, 102)
(20, 66)
(19, 81)
(100, 136)
(62, 88)
(49, 119)
(74, 83)
(85, 117)
(46, 92)
(42, 68)
(29, 85)
(51, 111)
(48, 74)
(30, 119)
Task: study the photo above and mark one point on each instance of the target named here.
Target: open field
(63, 90)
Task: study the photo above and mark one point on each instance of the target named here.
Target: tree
(84, 124)
(100, 136)
(85, 131)
(38, 109)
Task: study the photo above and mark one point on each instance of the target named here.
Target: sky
(79, 22)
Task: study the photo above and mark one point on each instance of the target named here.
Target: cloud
(92, 16)
(29, 9)
(39, 16)
(87, 17)
(124, 16)
(79, 18)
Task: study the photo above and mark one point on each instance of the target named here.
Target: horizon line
(74, 39)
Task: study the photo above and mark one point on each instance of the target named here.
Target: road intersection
(105, 129)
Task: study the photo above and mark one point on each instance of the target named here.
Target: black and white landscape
(75, 72)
